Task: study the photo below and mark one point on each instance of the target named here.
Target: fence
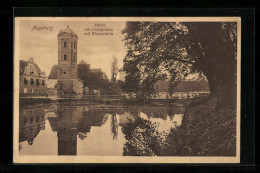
(94, 97)
(33, 95)
(111, 97)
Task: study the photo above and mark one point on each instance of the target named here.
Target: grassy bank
(205, 131)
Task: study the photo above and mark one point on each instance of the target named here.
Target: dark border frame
(247, 79)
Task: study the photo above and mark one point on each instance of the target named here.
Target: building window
(25, 121)
(37, 82)
(65, 44)
(74, 44)
(31, 120)
(25, 81)
(31, 90)
(32, 81)
(74, 58)
(43, 82)
(36, 90)
(65, 57)
(42, 90)
(64, 72)
(31, 71)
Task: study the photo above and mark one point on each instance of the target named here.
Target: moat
(95, 129)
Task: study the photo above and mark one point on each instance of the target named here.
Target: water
(95, 130)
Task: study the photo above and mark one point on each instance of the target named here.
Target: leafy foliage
(97, 80)
(142, 138)
(204, 131)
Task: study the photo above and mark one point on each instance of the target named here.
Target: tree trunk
(222, 86)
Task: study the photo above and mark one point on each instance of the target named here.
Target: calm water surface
(101, 130)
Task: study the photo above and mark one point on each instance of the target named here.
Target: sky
(96, 50)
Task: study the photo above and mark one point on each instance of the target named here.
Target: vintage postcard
(127, 90)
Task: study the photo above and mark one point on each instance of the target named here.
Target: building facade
(184, 89)
(32, 79)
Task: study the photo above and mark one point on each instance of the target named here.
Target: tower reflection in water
(66, 125)
(31, 122)
(72, 121)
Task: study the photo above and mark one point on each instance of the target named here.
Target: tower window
(65, 44)
(64, 72)
(74, 44)
(65, 57)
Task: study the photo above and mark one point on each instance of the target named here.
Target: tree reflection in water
(114, 125)
(142, 138)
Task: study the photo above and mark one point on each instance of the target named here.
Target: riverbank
(155, 102)
(205, 131)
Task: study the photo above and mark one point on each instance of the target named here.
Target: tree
(178, 49)
(133, 77)
(114, 68)
(97, 80)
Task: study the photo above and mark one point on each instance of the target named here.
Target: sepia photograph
(127, 90)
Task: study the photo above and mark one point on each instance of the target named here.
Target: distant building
(184, 89)
(32, 79)
(98, 70)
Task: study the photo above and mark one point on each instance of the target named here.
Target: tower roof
(69, 31)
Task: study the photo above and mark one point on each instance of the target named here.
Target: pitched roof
(54, 72)
(184, 86)
(37, 68)
(23, 64)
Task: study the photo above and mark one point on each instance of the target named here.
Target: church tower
(67, 54)
(67, 69)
